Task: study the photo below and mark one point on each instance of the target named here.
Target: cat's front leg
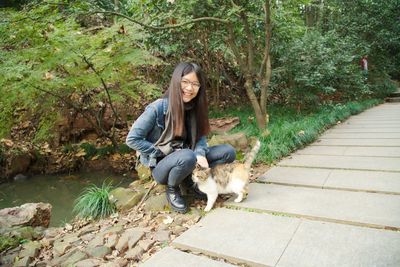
(211, 198)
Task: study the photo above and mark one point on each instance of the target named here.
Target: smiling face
(190, 86)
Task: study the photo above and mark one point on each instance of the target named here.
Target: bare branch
(250, 41)
(164, 27)
(267, 23)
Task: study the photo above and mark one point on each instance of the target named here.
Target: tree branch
(267, 23)
(250, 41)
(164, 27)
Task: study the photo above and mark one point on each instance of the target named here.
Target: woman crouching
(170, 135)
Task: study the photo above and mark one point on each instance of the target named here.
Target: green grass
(8, 242)
(94, 202)
(291, 130)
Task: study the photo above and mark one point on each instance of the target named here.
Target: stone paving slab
(239, 236)
(361, 135)
(372, 181)
(358, 208)
(343, 162)
(377, 123)
(367, 127)
(388, 182)
(350, 151)
(329, 244)
(363, 130)
(358, 142)
(169, 257)
(296, 176)
(378, 119)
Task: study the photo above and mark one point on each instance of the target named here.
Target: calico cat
(225, 178)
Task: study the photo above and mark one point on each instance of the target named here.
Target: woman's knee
(186, 158)
(229, 153)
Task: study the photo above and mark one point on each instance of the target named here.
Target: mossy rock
(144, 173)
(238, 140)
(156, 203)
(125, 198)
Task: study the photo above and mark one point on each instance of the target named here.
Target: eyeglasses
(186, 83)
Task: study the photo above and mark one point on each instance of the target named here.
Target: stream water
(58, 190)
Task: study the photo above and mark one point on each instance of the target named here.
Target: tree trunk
(260, 115)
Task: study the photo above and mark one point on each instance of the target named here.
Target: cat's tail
(250, 157)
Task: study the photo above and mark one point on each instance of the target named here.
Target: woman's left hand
(202, 161)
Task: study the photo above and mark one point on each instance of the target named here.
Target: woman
(170, 135)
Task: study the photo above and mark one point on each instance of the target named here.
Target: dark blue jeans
(175, 167)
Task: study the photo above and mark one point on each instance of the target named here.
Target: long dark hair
(176, 104)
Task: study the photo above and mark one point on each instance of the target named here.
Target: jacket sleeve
(201, 147)
(136, 138)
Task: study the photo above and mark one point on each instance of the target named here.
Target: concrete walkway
(334, 203)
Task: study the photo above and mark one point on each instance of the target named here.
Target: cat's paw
(207, 209)
(239, 199)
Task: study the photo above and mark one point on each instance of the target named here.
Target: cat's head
(200, 174)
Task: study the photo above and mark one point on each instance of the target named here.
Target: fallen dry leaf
(81, 153)
(168, 220)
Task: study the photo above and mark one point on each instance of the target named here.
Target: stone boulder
(238, 140)
(29, 214)
(125, 198)
(156, 203)
(223, 125)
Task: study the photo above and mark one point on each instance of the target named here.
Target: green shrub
(124, 149)
(89, 149)
(94, 202)
(104, 151)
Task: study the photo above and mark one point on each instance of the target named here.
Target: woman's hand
(202, 161)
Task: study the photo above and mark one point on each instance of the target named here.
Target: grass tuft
(94, 202)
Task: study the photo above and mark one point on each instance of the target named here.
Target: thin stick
(145, 195)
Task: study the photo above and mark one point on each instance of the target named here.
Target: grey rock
(134, 253)
(74, 257)
(30, 249)
(162, 235)
(8, 259)
(134, 235)
(98, 252)
(156, 203)
(97, 241)
(169, 257)
(29, 214)
(111, 230)
(122, 244)
(89, 263)
(125, 198)
(145, 244)
(60, 247)
(23, 262)
(111, 241)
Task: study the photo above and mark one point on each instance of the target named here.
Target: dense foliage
(46, 58)
(297, 53)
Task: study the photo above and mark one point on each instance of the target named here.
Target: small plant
(104, 151)
(94, 202)
(89, 149)
(124, 149)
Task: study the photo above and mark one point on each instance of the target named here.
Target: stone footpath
(334, 203)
